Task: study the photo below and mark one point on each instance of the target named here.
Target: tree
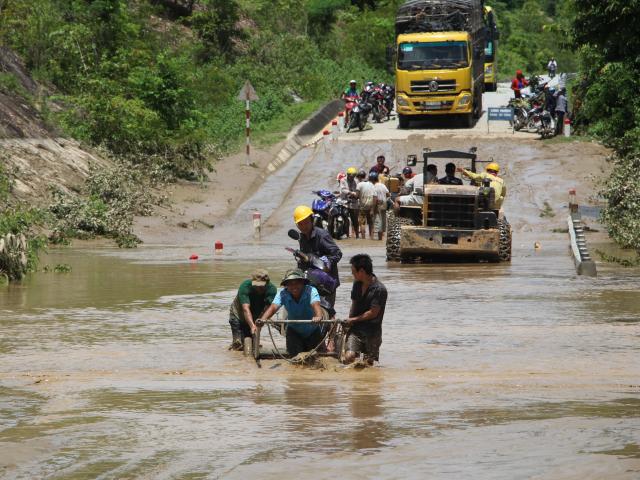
(216, 25)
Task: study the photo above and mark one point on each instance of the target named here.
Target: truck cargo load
(416, 16)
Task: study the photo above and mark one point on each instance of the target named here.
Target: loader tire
(504, 250)
(394, 223)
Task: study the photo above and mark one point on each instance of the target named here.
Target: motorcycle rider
(380, 168)
(552, 67)
(349, 92)
(318, 241)
(450, 176)
(497, 183)
(518, 83)
(348, 192)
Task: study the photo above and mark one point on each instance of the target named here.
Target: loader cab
(465, 206)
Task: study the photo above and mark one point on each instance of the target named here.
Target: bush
(112, 197)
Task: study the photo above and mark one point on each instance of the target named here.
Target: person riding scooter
(318, 242)
(350, 97)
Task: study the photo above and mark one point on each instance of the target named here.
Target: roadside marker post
(500, 114)
(257, 225)
(248, 94)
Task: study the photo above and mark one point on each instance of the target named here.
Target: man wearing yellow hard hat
(319, 242)
(348, 192)
(497, 183)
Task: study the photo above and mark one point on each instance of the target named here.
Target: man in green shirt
(253, 297)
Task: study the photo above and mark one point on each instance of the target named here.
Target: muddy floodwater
(120, 369)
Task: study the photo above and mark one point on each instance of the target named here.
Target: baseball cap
(259, 278)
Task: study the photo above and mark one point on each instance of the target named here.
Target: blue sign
(501, 113)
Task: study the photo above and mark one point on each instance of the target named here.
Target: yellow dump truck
(439, 59)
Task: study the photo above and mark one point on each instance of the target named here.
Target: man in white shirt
(413, 193)
(380, 209)
(366, 203)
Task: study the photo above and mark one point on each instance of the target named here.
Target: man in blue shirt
(302, 302)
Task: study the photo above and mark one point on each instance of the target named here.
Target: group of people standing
(555, 100)
(367, 199)
(258, 298)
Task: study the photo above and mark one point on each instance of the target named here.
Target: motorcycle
(379, 109)
(339, 219)
(349, 104)
(359, 115)
(321, 207)
(547, 125)
(534, 118)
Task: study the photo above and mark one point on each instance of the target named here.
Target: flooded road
(119, 369)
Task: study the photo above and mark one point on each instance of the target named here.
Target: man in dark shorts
(368, 301)
(253, 297)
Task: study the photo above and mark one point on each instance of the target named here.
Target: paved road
(442, 125)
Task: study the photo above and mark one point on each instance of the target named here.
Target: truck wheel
(504, 250)
(403, 121)
(467, 120)
(394, 224)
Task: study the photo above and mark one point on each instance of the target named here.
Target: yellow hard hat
(493, 166)
(351, 171)
(301, 212)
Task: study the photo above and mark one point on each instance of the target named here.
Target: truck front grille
(431, 87)
(451, 211)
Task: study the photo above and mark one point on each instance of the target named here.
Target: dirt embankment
(31, 151)
(197, 208)
(38, 158)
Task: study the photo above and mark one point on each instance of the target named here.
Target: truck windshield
(488, 51)
(432, 55)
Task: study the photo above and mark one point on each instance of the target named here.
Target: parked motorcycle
(339, 222)
(321, 207)
(547, 125)
(379, 110)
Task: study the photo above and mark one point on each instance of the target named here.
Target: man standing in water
(368, 301)
(253, 297)
(302, 302)
(318, 242)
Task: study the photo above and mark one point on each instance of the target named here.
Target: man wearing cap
(302, 302)
(319, 242)
(253, 297)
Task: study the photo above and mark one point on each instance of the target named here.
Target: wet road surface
(120, 369)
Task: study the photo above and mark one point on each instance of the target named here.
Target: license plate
(431, 105)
